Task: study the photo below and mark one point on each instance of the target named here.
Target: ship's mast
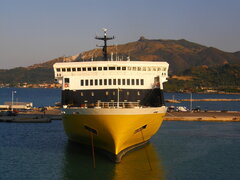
(105, 39)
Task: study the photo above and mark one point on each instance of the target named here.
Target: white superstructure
(110, 74)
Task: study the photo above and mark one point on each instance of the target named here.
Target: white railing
(116, 104)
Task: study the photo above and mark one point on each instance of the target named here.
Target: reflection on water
(135, 165)
(78, 164)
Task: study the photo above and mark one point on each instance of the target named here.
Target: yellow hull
(113, 130)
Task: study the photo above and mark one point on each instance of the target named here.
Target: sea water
(178, 151)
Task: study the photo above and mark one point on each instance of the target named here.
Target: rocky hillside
(180, 54)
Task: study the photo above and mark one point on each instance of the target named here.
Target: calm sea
(179, 150)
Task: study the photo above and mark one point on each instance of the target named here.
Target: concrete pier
(203, 116)
(33, 117)
(49, 115)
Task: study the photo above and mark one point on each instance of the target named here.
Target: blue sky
(35, 31)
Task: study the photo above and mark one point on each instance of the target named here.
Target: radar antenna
(105, 39)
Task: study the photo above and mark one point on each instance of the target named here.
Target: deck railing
(116, 104)
(101, 104)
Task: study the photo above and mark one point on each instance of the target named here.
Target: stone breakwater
(203, 116)
(180, 100)
(33, 117)
(209, 100)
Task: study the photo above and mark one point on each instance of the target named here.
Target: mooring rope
(146, 152)
(93, 153)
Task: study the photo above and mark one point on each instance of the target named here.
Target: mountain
(180, 54)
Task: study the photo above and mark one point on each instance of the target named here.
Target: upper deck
(110, 74)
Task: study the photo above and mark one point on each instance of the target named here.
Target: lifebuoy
(66, 85)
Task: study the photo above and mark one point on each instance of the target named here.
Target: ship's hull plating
(113, 130)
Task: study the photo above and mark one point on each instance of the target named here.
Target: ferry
(114, 105)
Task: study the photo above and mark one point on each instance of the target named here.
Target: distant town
(28, 85)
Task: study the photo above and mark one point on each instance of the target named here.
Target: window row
(118, 68)
(113, 93)
(109, 82)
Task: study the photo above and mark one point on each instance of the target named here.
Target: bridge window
(114, 81)
(133, 81)
(63, 69)
(86, 82)
(94, 68)
(118, 68)
(105, 68)
(123, 81)
(89, 68)
(96, 82)
(100, 82)
(83, 69)
(124, 68)
(111, 68)
(137, 81)
(119, 81)
(142, 81)
(58, 69)
(128, 81)
(68, 69)
(66, 80)
(100, 68)
(82, 82)
(105, 81)
(78, 69)
(91, 82)
(109, 81)
(73, 69)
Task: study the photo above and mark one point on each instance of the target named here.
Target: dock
(214, 116)
(50, 115)
(195, 100)
(33, 117)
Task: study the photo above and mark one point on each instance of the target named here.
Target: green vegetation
(220, 78)
(21, 75)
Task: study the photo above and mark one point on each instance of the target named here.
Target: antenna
(105, 39)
